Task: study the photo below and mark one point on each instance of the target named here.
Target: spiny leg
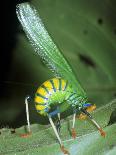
(73, 126)
(27, 117)
(58, 137)
(94, 122)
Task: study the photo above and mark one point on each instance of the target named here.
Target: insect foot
(103, 133)
(73, 133)
(64, 150)
(26, 135)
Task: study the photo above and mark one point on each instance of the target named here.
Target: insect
(62, 92)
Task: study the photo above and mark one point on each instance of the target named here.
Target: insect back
(51, 95)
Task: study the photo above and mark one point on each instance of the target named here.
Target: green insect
(63, 91)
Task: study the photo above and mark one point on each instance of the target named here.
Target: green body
(57, 93)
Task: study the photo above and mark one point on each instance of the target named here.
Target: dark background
(9, 30)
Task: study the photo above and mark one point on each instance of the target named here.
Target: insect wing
(44, 45)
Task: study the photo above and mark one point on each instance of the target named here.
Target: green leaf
(43, 140)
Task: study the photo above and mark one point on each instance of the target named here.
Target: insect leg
(27, 117)
(94, 122)
(58, 137)
(73, 125)
(27, 113)
(58, 124)
(59, 116)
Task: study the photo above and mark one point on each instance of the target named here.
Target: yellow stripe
(56, 83)
(63, 84)
(41, 91)
(48, 84)
(39, 99)
(40, 107)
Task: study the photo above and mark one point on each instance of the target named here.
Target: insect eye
(86, 105)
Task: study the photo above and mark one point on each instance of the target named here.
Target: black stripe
(66, 85)
(43, 86)
(51, 81)
(60, 86)
(41, 96)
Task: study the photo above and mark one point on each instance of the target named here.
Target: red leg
(64, 150)
(26, 135)
(73, 133)
(94, 122)
(103, 133)
(73, 126)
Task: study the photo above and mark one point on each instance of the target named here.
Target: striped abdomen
(51, 92)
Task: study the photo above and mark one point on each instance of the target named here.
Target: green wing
(44, 45)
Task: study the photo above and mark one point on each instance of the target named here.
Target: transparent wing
(43, 44)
